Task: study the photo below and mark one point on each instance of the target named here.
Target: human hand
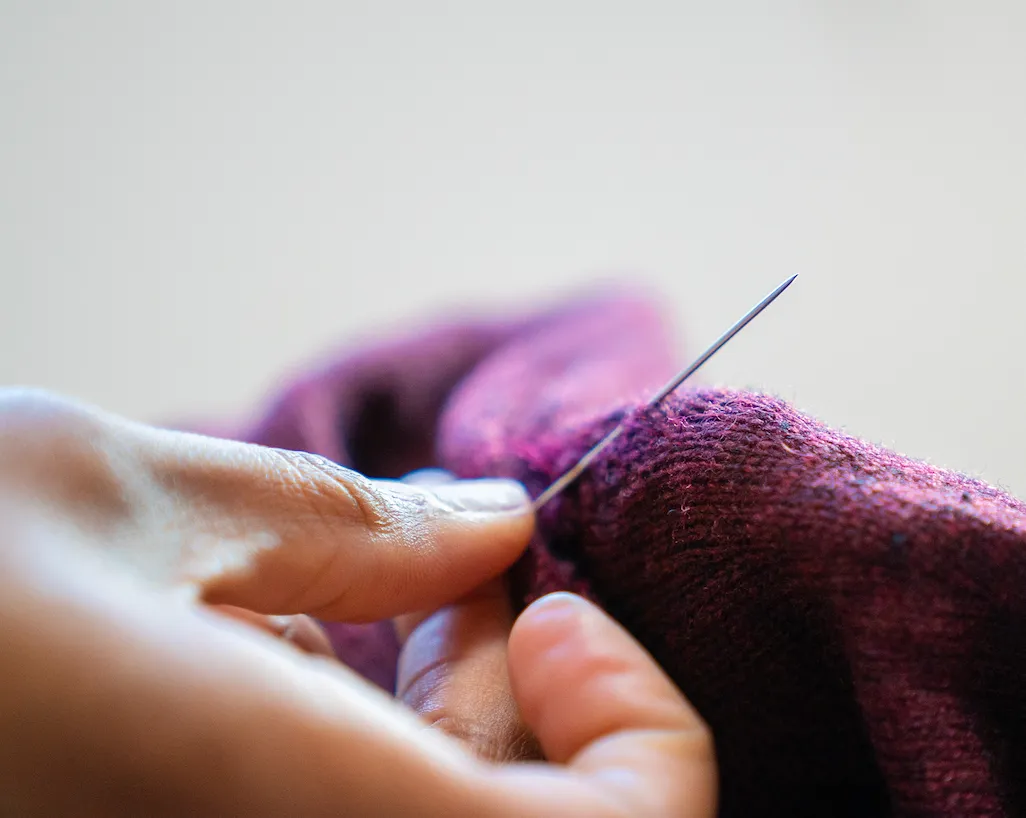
(125, 692)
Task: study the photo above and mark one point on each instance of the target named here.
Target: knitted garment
(850, 623)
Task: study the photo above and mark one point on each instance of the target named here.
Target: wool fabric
(851, 623)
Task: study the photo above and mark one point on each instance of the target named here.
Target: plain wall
(197, 196)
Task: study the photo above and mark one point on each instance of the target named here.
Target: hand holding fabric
(134, 562)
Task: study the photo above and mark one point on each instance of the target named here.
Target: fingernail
(559, 598)
(558, 603)
(429, 477)
(483, 495)
(562, 616)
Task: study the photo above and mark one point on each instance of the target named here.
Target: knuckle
(64, 453)
(332, 490)
(500, 743)
(44, 437)
(39, 411)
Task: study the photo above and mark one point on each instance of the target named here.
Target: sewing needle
(575, 471)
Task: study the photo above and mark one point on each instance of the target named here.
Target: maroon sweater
(851, 623)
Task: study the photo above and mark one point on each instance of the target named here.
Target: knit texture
(848, 621)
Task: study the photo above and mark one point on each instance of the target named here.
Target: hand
(127, 690)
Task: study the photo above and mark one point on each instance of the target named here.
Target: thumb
(345, 547)
(270, 530)
(288, 532)
(599, 704)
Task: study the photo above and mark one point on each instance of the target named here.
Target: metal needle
(575, 471)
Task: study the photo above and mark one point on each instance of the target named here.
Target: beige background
(195, 196)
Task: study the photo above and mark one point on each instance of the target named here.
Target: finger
(270, 530)
(286, 532)
(452, 673)
(300, 631)
(599, 704)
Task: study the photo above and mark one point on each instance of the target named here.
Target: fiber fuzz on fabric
(851, 623)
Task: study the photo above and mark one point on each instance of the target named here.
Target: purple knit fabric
(848, 621)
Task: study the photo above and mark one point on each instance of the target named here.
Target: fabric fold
(850, 622)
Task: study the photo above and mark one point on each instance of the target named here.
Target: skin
(159, 657)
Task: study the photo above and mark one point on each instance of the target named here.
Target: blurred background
(198, 197)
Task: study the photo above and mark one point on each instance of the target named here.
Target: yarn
(851, 623)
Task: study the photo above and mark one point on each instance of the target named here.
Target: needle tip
(571, 475)
(778, 291)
